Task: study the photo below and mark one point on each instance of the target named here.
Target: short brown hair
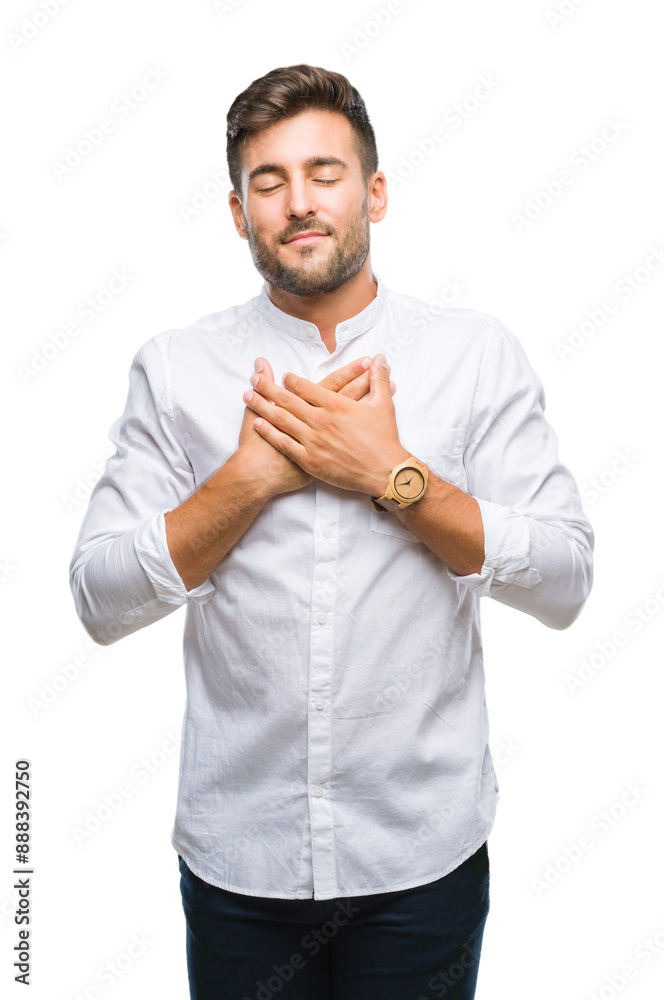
(284, 93)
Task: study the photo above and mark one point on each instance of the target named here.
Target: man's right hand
(278, 473)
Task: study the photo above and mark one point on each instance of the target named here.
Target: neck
(327, 309)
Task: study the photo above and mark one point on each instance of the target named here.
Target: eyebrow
(313, 161)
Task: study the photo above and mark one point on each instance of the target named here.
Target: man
(331, 533)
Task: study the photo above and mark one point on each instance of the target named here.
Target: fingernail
(393, 387)
(254, 379)
(366, 362)
(382, 360)
(258, 365)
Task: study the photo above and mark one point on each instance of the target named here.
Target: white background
(562, 756)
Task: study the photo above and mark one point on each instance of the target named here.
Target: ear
(377, 196)
(238, 214)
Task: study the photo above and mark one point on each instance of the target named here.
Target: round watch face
(409, 482)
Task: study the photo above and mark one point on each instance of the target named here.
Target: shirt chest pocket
(441, 449)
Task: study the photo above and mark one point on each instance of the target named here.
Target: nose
(302, 201)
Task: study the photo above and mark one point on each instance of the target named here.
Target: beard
(314, 271)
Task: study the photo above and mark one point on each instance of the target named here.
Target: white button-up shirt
(335, 740)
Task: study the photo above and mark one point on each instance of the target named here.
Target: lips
(310, 236)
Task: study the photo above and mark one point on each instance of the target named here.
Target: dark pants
(411, 944)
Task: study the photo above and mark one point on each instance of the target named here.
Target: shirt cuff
(506, 551)
(152, 552)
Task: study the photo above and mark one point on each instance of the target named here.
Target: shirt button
(318, 792)
(320, 704)
(327, 532)
(322, 619)
(310, 333)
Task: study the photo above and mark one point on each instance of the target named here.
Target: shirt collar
(304, 330)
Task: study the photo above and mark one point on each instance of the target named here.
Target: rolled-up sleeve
(538, 543)
(121, 574)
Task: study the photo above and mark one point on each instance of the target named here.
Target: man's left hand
(348, 443)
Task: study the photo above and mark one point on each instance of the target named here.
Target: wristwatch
(406, 483)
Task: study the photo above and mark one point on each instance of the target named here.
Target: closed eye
(319, 180)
